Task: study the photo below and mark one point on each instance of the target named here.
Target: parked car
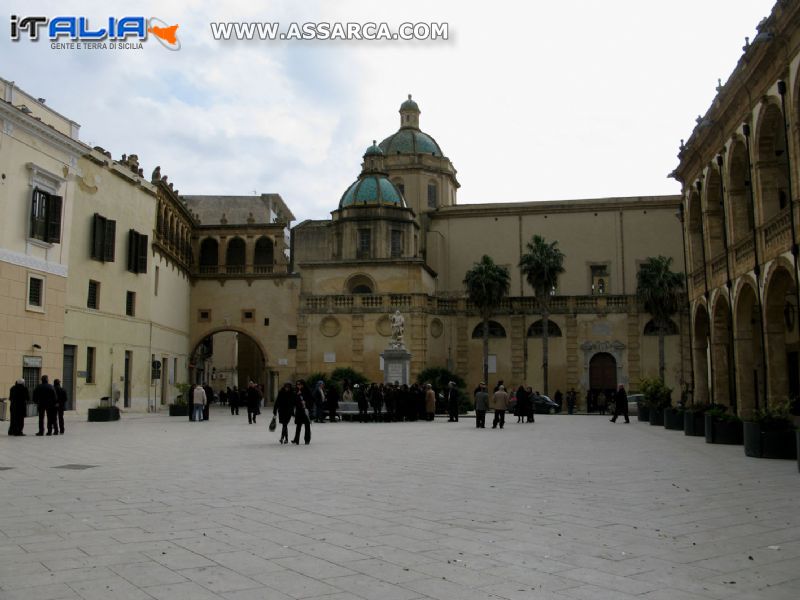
(633, 407)
(543, 405)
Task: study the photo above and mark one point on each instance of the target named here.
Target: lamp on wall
(37, 347)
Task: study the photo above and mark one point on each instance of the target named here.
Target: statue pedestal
(396, 366)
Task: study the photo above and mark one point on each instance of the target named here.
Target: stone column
(518, 335)
(357, 335)
(634, 337)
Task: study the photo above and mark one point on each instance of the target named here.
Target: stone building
(167, 289)
(739, 172)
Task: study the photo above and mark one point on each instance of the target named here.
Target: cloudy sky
(540, 100)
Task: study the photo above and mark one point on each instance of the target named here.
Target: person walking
(430, 402)
(481, 405)
(233, 400)
(198, 402)
(284, 409)
(44, 396)
(18, 397)
(361, 394)
(620, 404)
(319, 401)
(60, 405)
(521, 408)
(300, 415)
(499, 403)
(451, 399)
(572, 397)
(531, 404)
(253, 402)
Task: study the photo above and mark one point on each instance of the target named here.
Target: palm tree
(487, 284)
(658, 289)
(542, 264)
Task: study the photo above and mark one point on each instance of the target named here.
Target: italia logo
(126, 29)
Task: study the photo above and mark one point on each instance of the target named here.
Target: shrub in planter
(673, 418)
(180, 408)
(770, 434)
(103, 413)
(694, 420)
(642, 411)
(657, 396)
(723, 427)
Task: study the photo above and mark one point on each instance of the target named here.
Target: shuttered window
(104, 233)
(46, 216)
(137, 252)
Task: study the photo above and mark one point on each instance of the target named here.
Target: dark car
(543, 405)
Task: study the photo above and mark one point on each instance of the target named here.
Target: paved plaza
(571, 507)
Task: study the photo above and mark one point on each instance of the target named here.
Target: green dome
(374, 150)
(409, 105)
(372, 190)
(410, 141)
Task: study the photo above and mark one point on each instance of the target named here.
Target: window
(90, 364)
(536, 330)
(292, 342)
(599, 275)
(495, 330)
(248, 315)
(35, 294)
(130, 304)
(432, 195)
(397, 243)
(137, 252)
(45, 216)
(398, 183)
(93, 300)
(364, 249)
(203, 315)
(103, 238)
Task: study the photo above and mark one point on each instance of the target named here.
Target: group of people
(395, 402)
(499, 401)
(51, 401)
(293, 401)
(201, 396)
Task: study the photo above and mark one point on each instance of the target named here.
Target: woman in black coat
(523, 400)
(19, 399)
(301, 402)
(284, 409)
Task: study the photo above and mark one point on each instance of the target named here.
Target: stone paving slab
(566, 508)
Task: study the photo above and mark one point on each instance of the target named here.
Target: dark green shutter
(132, 248)
(53, 212)
(98, 233)
(109, 239)
(142, 262)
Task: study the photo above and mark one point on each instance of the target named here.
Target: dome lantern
(409, 114)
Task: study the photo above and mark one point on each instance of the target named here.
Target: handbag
(272, 424)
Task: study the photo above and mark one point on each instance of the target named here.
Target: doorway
(602, 372)
(126, 383)
(68, 376)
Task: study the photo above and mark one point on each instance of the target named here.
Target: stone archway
(749, 353)
(602, 372)
(615, 349)
(228, 357)
(781, 340)
(722, 360)
(700, 356)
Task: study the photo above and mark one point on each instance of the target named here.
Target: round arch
(748, 349)
(780, 329)
(536, 329)
(701, 355)
(602, 372)
(360, 283)
(772, 172)
(740, 214)
(712, 208)
(695, 231)
(722, 351)
(496, 331)
(199, 340)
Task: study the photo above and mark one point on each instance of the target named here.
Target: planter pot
(657, 417)
(720, 431)
(673, 419)
(178, 410)
(643, 412)
(694, 423)
(759, 443)
(106, 413)
(797, 433)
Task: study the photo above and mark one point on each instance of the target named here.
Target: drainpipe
(757, 266)
(782, 92)
(728, 283)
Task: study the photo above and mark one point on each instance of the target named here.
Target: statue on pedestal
(398, 328)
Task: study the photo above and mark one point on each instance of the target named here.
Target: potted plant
(694, 419)
(658, 397)
(106, 411)
(722, 427)
(180, 408)
(642, 411)
(770, 433)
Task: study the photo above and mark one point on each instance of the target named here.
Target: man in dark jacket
(301, 419)
(44, 396)
(451, 398)
(253, 402)
(210, 398)
(61, 404)
(18, 398)
(620, 404)
(284, 409)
